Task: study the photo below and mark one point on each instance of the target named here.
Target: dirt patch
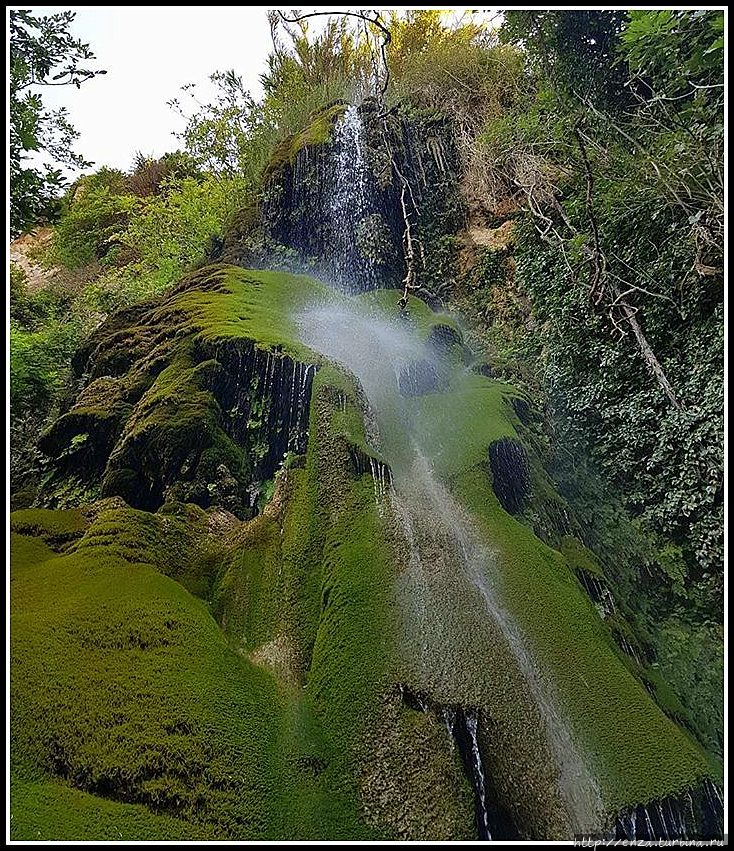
(22, 251)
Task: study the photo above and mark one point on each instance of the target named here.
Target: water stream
(350, 205)
(452, 615)
(448, 588)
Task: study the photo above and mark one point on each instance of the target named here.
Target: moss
(132, 706)
(239, 682)
(178, 543)
(413, 758)
(308, 591)
(418, 315)
(51, 811)
(637, 753)
(316, 132)
(100, 410)
(165, 423)
(55, 528)
(580, 558)
(148, 704)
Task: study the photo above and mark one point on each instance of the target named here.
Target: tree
(577, 50)
(227, 136)
(42, 53)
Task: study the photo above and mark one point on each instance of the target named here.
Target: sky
(149, 52)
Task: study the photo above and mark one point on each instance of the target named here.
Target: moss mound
(183, 674)
(184, 669)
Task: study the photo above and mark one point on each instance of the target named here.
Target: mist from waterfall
(450, 582)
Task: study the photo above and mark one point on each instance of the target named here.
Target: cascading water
(447, 590)
(452, 617)
(351, 204)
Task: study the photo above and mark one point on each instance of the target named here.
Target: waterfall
(477, 770)
(350, 205)
(699, 814)
(448, 585)
(462, 725)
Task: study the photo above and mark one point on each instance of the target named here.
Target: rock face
(510, 474)
(338, 193)
(347, 660)
(170, 408)
(161, 645)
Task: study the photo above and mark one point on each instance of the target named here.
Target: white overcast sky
(149, 52)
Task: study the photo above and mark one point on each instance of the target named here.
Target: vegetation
(42, 53)
(205, 581)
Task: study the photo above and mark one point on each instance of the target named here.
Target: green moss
(158, 430)
(148, 703)
(307, 592)
(248, 597)
(132, 706)
(417, 313)
(316, 132)
(52, 811)
(637, 753)
(55, 528)
(251, 305)
(178, 542)
(29, 550)
(580, 558)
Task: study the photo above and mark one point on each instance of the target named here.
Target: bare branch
(375, 20)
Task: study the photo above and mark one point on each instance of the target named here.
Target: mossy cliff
(195, 396)
(191, 660)
(182, 674)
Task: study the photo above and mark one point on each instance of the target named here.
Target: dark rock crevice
(510, 468)
(493, 816)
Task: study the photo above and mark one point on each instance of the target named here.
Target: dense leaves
(42, 53)
(636, 194)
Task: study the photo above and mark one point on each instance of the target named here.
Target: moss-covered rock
(174, 664)
(195, 396)
(137, 708)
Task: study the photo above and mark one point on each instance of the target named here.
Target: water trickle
(698, 814)
(478, 774)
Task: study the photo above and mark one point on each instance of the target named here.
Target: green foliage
(42, 52)
(577, 50)
(174, 229)
(676, 49)
(459, 69)
(90, 227)
(657, 207)
(42, 339)
(307, 73)
(229, 136)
